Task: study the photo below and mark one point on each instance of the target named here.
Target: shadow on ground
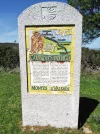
(86, 107)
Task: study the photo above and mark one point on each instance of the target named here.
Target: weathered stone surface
(43, 109)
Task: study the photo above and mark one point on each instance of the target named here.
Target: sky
(9, 12)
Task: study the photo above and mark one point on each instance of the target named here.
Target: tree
(90, 9)
(15, 41)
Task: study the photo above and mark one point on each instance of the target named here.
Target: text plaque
(50, 59)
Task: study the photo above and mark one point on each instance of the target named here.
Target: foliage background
(90, 10)
(9, 57)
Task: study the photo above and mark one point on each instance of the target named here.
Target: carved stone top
(47, 13)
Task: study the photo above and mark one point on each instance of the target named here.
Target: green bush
(9, 56)
(90, 58)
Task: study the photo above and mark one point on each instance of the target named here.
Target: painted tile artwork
(50, 59)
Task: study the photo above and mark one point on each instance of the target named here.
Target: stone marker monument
(50, 37)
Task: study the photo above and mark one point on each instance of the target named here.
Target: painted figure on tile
(36, 43)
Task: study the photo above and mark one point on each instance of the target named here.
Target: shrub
(9, 56)
(90, 58)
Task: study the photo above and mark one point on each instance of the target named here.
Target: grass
(10, 106)
(90, 88)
